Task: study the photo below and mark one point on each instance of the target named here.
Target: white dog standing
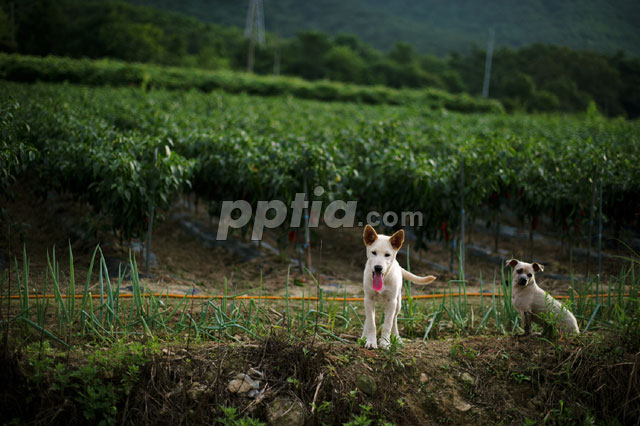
(383, 283)
(535, 304)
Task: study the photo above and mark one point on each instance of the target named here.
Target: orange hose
(247, 297)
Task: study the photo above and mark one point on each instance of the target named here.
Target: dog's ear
(397, 239)
(537, 267)
(369, 236)
(512, 262)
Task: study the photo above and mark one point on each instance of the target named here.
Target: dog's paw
(383, 343)
(371, 345)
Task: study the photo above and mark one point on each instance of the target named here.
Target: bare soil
(185, 262)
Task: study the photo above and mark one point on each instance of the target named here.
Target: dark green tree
(343, 64)
(305, 55)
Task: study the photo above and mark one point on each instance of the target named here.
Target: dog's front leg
(394, 330)
(369, 329)
(526, 317)
(387, 326)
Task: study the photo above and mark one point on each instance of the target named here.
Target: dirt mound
(472, 380)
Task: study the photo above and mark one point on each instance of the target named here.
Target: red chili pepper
(443, 228)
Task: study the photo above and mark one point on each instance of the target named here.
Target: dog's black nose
(377, 269)
(522, 281)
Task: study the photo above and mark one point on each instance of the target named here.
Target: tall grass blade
(593, 315)
(430, 326)
(71, 291)
(484, 319)
(44, 331)
(85, 290)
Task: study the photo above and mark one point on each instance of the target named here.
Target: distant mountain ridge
(440, 27)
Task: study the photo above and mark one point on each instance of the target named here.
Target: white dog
(535, 304)
(383, 283)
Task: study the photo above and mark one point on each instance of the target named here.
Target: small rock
(286, 412)
(136, 246)
(255, 374)
(238, 386)
(468, 379)
(242, 384)
(253, 383)
(367, 384)
(463, 406)
(424, 378)
(153, 259)
(460, 404)
(196, 391)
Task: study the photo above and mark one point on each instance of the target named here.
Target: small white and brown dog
(535, 304)
(383, 283)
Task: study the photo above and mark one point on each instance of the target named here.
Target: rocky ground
(283, 380)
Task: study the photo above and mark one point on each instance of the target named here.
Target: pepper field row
(99, 143)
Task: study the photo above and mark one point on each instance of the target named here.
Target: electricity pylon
(254, 29)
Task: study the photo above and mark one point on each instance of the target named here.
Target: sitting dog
(534, 304)
(383, 283)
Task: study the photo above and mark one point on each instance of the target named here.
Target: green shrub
(116, 73)
(543, 101)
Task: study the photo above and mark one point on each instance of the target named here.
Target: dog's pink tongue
(377, 282)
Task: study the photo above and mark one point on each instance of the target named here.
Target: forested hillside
(440, 27)
(535, 78)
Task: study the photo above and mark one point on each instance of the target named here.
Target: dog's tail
(416, 279)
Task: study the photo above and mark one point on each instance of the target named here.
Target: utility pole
(462, 220)
(487, 65)
(254, 30)
(276, 56)
(12, 18)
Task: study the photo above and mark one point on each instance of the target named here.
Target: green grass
(106, 317)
